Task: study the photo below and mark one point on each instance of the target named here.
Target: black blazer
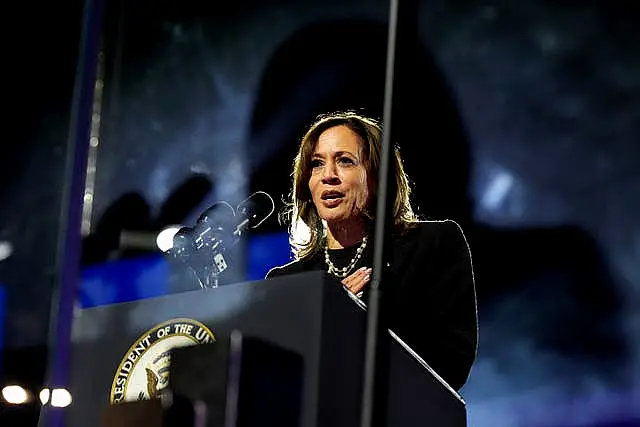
(431, 297)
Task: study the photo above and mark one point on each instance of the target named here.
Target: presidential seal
(144, 370)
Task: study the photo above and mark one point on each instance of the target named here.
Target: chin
(333, 216)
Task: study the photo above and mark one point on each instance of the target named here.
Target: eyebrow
(337, 153)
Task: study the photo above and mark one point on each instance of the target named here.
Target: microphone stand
(376, 370)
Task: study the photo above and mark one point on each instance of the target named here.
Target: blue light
(121, 281)
(266, 251)
(148, 277)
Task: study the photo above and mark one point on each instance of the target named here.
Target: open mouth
(331, 195)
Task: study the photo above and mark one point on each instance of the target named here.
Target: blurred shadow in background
(131, 213)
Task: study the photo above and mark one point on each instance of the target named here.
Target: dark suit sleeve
(448, 299)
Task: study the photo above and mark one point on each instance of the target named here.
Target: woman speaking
(431, 294)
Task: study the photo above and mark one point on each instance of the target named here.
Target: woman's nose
(330, 174)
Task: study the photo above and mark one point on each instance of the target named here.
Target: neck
(343, 235)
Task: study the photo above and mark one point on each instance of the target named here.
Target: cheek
(363, 190)
(313, 184)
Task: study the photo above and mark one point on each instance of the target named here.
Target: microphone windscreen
(256, 208)
(220, 214)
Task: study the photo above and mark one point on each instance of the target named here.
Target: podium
(118, 353)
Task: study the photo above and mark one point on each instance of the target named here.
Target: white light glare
(497, 190)
(60, 398)
(15, 395)
(44, 395)
(165, 237)
(6, 249)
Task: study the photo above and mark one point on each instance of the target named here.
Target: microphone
(254, 211)
(214, 225)
(203, 247)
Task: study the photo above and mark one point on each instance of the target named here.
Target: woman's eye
(346, 160)
(315, 163)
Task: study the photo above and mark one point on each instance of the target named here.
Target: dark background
(520, 121)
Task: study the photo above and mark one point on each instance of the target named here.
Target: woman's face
(339, 184)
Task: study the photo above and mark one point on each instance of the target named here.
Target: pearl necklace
(343, 272)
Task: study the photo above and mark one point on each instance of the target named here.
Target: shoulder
(435, 232)
(296, 266)
(443, 238)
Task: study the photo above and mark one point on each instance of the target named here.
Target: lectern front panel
(118, 349)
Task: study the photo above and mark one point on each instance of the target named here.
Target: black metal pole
(373, 411)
